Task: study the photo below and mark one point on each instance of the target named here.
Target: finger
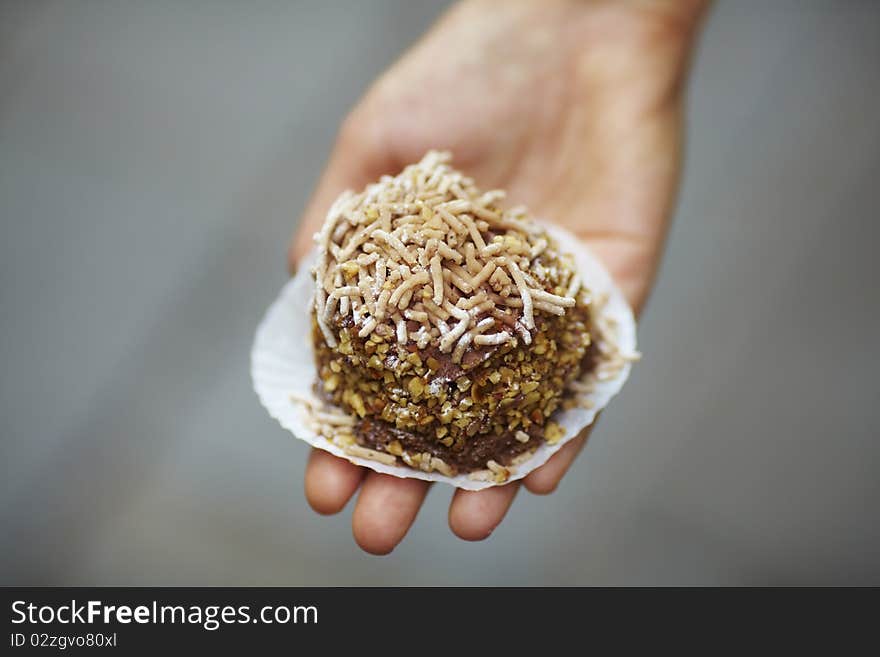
(386, 508)
(330, 481)
(545, 479)
(632, 265)
(357, 159)
(474, 515)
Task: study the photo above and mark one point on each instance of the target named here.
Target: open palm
(574, 108)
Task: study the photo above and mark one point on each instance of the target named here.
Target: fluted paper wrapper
(283, 366)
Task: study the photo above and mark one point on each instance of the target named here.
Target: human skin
(573, 107)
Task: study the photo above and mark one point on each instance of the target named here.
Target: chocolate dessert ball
(448, 326)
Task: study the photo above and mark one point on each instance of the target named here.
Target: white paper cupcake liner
(283, 366)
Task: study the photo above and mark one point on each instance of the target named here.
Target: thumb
(357, 159)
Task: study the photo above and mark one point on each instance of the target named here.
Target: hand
(573, 107)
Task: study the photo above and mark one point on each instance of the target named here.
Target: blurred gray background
(154, 157)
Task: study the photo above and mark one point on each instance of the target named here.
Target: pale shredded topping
(427, 247)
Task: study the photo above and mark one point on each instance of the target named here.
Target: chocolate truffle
(447, 326)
